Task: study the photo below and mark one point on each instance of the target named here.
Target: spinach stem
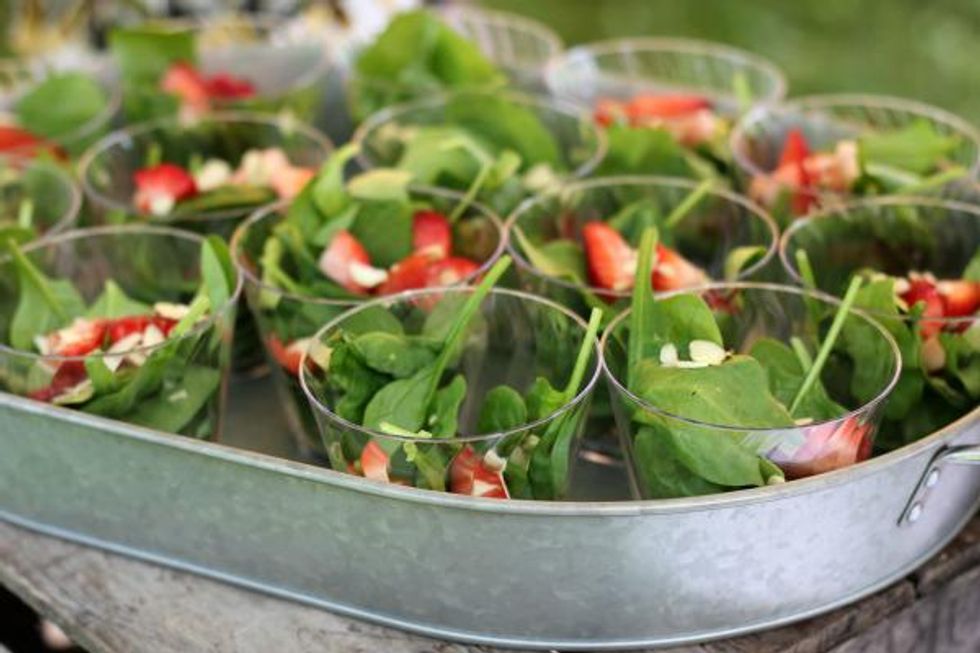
(828, 343)
(933, 181)
(25, 214)
(575, 380)
(471, 193)
(806, 361)
(34, 276)
(805, 269)
(688, 203)
(642, 301)
(742, 91)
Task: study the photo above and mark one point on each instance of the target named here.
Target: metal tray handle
(959, 455)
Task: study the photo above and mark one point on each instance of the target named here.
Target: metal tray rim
(475, 638)
(552, 508)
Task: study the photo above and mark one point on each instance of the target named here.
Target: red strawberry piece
(432, 235)
(470, 475)
(449, 272)
(336, 260)
(374, 462)
(795, 153)
(830, 446)
(923, 290)
(164, 180)
(124, 327)
(611, 261)
(165, 324)
(673, 271)
(608, 112)
(68, 375)
(183, 80)
(288, 356)
(408, 274)
(960, 298)
(81, 337)
(665, 106)
(19, 141)
(223, 86)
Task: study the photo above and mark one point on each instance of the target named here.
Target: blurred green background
(925, 49)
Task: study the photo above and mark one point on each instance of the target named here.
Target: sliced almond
(367, 276)
(494, 462)
(933, 355)
(171, 311)
(668, 355)
(707, 352)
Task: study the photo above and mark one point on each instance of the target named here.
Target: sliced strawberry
(611, 260)
(183, 80)
(469, 475)
(410, 273)
(374, 462)
(68, 375)
(432, 235)
(795, 148)
(673, 271)
(336, 260)
(289, 181)
(609, 112)
(288, 356)
(923, 290)
(960, 298)
(22, 142)
(224, 86)
(80, 338)
(449, 272)
(665, 106)
(830, 446)
(164, 181)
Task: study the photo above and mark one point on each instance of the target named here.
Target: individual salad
(579, 244)
(191, 69)
(131, 323)
(417, 54)
(206, 175)
(54, 113)
(343, 241)
(499, 147)
(473, 391)
(807, 153)
(920, 260)
(37, 198)
(743, 385)
(667, 105)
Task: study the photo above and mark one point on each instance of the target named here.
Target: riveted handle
(956, 455)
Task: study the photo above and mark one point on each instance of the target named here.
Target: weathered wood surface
(109, 603)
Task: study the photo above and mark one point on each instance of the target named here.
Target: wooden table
(110, 603)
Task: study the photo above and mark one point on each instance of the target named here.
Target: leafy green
(61, 104)
(444, 420)
(392, 354)
(918, 147)
(503, 409)
(113, 303)
(785, 373)
(45, 304)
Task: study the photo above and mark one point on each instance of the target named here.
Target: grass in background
(910, 48)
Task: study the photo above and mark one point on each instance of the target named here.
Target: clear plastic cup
(519, 45)
(663, 448)
(757, 140)
(513, 339)
(623, 68)
(289, 72)
(19, 77)
(285, 318)
(719, 227)
(107, 168)
(581, 144)
(37, 198)
(900, 236)
(176, 385)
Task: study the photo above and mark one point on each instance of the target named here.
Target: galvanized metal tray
(570, 575)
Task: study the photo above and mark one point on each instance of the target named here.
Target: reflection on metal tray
(551, 575)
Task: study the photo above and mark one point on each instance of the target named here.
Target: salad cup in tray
(920, 259)
(578, 244)
(129, 322)
(342, 242)
(667, 104)
(192, 68)
(56, 112)
(204, 175)
(744, 385)
(818, 151)
(499, 147)
(473, 391)
(37, 198)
